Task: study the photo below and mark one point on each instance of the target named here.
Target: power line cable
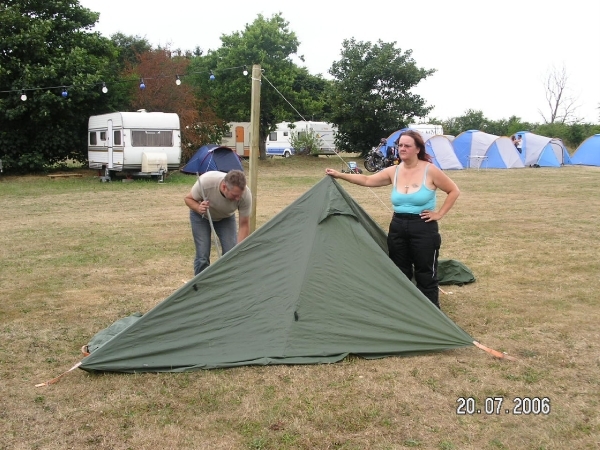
(346, 164)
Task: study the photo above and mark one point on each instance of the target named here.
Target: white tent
(440, 148)
(542, 151)
(477, 149)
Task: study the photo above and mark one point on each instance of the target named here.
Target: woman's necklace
(414, 185)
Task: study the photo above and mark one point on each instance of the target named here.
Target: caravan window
(273, 136)
(117, 137)
(93, 140)
(285, 133)
(228, 134)
(158, 138)
(103, 135)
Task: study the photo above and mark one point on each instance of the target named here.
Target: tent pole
(212, 227)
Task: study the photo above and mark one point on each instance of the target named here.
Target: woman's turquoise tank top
(415, 202)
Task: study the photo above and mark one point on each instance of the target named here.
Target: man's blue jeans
(226, 231)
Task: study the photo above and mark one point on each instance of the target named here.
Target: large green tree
(371, 95)
(288, 92)
(49, 53)
(131, 48)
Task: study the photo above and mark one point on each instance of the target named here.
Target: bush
(306, 142)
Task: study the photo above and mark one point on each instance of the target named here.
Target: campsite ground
(77, 254)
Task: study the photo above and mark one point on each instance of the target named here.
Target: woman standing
(413, 238)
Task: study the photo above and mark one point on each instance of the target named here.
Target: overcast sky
(490, 55)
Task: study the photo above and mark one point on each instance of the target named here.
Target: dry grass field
(77, 254)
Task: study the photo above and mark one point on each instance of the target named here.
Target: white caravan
(238, 138)
(278, 141)
(138, 143)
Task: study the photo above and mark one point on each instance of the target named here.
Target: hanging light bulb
(177, 80)
(142, 85)
(212, 76)
(104, 88)
(245, 72)
(23, 95)
(64, 93)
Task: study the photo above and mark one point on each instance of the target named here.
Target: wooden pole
(254, 140)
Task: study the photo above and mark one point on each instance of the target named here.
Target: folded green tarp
(451, 271)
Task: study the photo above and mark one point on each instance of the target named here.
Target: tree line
(572, 134)
(55, 72)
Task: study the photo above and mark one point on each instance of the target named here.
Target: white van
(138, 143)
(278, 141)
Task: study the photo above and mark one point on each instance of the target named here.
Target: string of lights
(64, 89)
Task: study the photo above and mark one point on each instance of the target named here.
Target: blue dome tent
(588, 152)
(439, 147)
(542, 151)
(213, 157)
(477, 149)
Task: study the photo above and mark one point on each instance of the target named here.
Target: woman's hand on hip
(429, 216)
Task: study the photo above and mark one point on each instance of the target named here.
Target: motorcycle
(378, 158)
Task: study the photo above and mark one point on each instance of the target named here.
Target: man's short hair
(235, 178)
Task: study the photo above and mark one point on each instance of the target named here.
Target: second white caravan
(278, 141)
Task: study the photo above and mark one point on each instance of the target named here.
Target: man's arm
(195, 205)
(244, 229)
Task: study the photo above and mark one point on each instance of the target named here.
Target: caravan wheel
(286, 154)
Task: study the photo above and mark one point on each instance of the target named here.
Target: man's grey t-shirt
(220, 207)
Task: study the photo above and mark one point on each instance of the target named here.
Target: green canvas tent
(312, 285)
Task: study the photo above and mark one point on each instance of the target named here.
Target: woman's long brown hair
(422, 155)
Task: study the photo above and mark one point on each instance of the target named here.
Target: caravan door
(109, 144)
(239, 140)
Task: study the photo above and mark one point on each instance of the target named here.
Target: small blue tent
(588, 152)
(213, 157)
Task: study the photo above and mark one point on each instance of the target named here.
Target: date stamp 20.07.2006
(499, 405)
